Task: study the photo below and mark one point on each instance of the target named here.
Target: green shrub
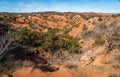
(100, 19)
(22, 34)
(34, 38)
(27, 37)
(72, 45)
(84, 27)
(76, 25)
(45, 17)
(98, 40)
(49, 40)
(86, 34)
(55, 20)
(66, 30)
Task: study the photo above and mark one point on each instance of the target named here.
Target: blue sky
(104, 6)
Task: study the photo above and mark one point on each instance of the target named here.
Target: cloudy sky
(104, 6)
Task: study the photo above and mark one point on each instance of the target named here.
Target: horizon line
(60, 12)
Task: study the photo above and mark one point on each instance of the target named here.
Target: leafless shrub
(6, 43)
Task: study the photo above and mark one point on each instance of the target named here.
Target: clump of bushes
(49, 41)
(72, 45)
(25, 36)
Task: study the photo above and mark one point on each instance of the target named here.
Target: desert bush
(114, 37)
(22, 34)
(66, 30)
(84, 27)
(33, 26)
(102, 26)
(100, 19)
(53, 30)
(72, 45)
(45, 17)
(98, 40)
(27, 37)
(55, 20)
(86, 34)
(56, 42)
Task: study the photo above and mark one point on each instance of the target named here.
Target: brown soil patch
(62, 72)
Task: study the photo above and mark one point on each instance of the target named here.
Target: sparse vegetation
(99, 40)
(102, 26)
(49, 41)
(66, 30)
(86, 34)
(114, 37)
(45, 43)
(55, 20)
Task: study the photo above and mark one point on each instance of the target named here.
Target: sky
(100, 6)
